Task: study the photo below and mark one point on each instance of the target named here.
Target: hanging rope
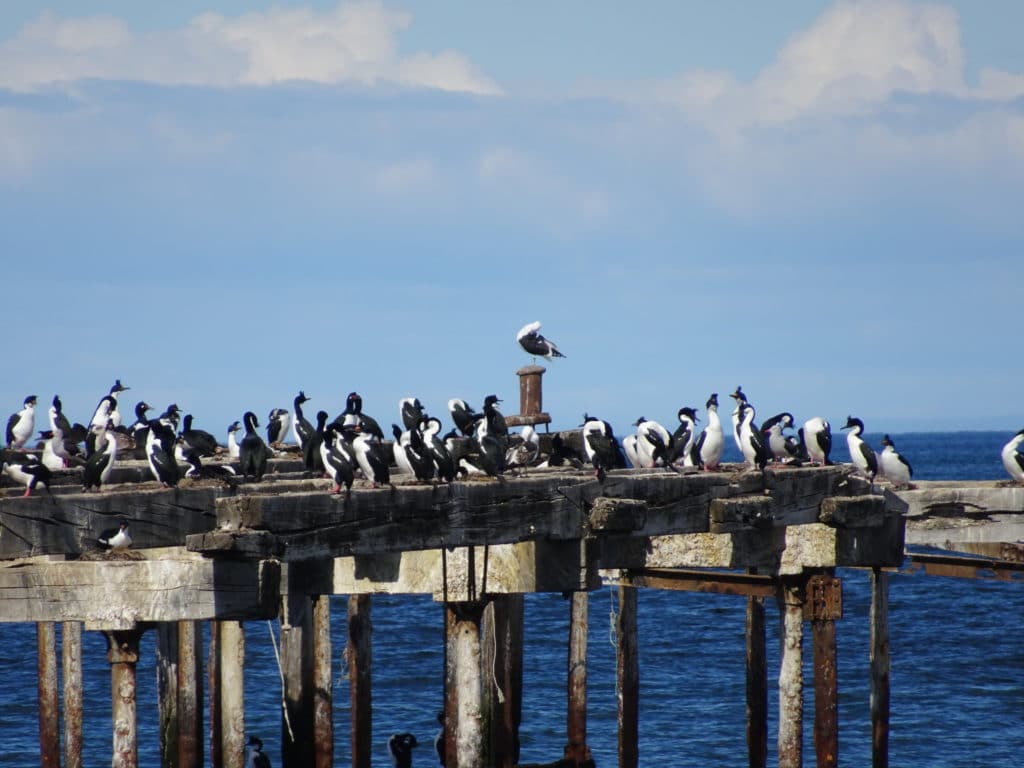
(280, 672)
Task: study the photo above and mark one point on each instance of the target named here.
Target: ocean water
(957, 649)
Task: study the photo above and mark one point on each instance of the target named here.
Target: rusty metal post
(167, 691)
(502, 653)
(824, 605)
(879, 657)
(297, 663)
(71, 650)
(627, 666)
(323, 696)
(791, 684)
(213, 683)
(231, 651)
(358, 656)
(464, 689)
(577, 751)
(531, 398)
(49, 698)
(757, 685)
(123, 655)
(190, 696)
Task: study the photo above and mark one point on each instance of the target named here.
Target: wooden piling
(297, 663)
(825, 606)
(213, 694)
(879, 658)
(323, 696)
(576, 750)
(358, 657)
(167, 691)
(49, 706)
(627, 665)
(71, 651)
(791, 685)
(502, 654)
(757, 684)
(231, 653)
(123, 655)
(190, 695)
(464, 695)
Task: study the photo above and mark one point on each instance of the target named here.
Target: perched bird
(755, 452)
(253, 453)
(338, 457)
(440, 453)
(199, 471)
(353, 416)
(412, 412)
(199, 440)
(561, 455)
(629, 446)
(233, 449)
(115, 538)
(50, 458)
(301, 427)
(861, 455)
(25, 469)
(420, 458)
(312, 458)
(652, 443)
(781, 446)
(1013, 460)
(71, 434)
(400, 746)
(529, 339)
(602, 448)
(277, 425)
(170, 417)
(398, 448)
(99, 466)
(818, 440)
(106, 409)
(139, 430)
(463, 416)
(707, 449)
(740, 398)
(684, 438)
(525, 451)
(492, 438)
(22, 425)
(893, 465)
(370, 456)
(160, 444)
(255, 758)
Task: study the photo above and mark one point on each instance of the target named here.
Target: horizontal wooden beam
(689, 580)
(958, 566)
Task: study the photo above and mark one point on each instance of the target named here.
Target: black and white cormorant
(755, 452)
(463, 416)
(683, 439)
(1013, 459)
(893, 465)
(707, 449)
(115, 538)
(312, 458)
(818, 440)
(25, 469)
(278, 422)
(199, 440)
(440, 453)
(99, 466)
(22, 424)
(301, 427)
(412, 412)
(338, 456)
(353, 416)
(253, 453)
(602, 448)
(861, 454)
(160, 444)
(106, 410)
(781, 446)
(653, 443)
(370, 456)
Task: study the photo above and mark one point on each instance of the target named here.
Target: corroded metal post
(576, 750)
(463, 686)
(190, 695)
(757, 685)
(358, 656)
(49, 707)
(628, 682)
(824, 604)
(297, 662)
(123, 655)
(213, 683)
(323, 697)
(231, 650)
(791, 684)
(502, 652)
(167, 691)
(71, 650)
(531, 398)
(879, 657)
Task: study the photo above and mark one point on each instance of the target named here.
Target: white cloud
(353, 43)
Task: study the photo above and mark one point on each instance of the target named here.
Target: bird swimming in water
(530, 339)
(255, 757)
(400, 746)
(1013, 459)
(22, 425)
(115, 538)
(893, 465)
(861, 454)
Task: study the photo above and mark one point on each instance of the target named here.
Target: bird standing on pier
(861, 454)
(400, 747)
(440, 453)
(412, 412)
(106, 409)
(338, 457)
(740, 399)
(755, 452)
(199, 440)
(370, 457)
(301, 426)
(253, 453)
(1013, 460)
(463, 416)
(818, 440)
(233, 449)
(652, 443)
(492, 438)
(160, 454)
(530, 339)
(115, 538)
(602, 448)
(99, 466)
(893, 465)
(781, 447)
(707, 450)
(255, 758)
(684, 438)
(22, 425)
(525, 451)
(25, 469)
(353, 416)
(278, 422)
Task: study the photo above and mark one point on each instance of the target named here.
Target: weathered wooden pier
(278, 549)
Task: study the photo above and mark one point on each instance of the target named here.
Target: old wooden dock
(278, 549)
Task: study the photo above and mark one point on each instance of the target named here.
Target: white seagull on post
(529, 338)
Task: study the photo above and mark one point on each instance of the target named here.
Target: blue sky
(221, 203)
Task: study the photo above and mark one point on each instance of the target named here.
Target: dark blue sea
(957, 667)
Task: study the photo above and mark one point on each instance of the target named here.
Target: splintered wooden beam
(940, 512)
(119, 593)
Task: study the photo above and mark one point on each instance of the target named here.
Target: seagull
(529, 338)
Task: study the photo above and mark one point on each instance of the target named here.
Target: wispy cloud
(352, 43)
